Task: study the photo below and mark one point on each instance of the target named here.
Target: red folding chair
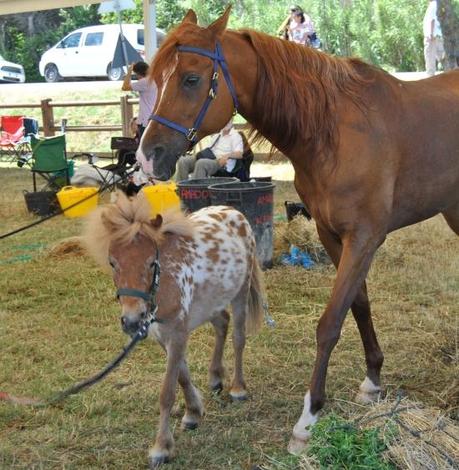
(12, 137)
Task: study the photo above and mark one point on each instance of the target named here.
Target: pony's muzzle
(129, 324)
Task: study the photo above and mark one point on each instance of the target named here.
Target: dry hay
(425, 438)
(71, 246)
(299, 232)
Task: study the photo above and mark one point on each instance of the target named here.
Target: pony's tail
(255, 311)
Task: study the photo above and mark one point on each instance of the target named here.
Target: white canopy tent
(149, 14)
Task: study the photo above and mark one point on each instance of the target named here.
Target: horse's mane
(297, 86)
(123, 221)
(298, 89)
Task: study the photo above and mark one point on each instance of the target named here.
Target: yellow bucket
(70, 195)
(161, 197)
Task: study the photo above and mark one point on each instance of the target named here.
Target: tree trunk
(449, 22)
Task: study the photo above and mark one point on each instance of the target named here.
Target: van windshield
(70, 41)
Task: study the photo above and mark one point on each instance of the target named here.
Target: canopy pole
(149, 16)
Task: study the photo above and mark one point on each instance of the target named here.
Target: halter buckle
(212, 94)
(215, 76)
(191, 135)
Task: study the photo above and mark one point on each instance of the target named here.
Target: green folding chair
(49, 160)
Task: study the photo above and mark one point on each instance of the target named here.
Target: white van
(89, 51)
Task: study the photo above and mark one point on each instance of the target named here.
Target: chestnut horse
(371, 153)
(208, 261)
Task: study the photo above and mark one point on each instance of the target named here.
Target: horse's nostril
(123, 322)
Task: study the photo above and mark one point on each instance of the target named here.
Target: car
(89, 51)
(11, 72)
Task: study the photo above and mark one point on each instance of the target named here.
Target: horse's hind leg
(238, 389)
(371, 387)
(216, 369)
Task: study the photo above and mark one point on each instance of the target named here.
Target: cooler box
(70, 195)
(162, 196)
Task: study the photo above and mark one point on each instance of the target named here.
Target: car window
(70, 41)
(94, 39)
(140, 37)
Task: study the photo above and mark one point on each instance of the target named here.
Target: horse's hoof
(297, 446)
(217, 388)
(368, 392)
(239, 396)
(365, 398)
(156, 461)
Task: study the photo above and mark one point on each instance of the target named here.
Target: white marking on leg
(368, 391)
(301, 429)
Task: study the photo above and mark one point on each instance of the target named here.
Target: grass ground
(59, 324)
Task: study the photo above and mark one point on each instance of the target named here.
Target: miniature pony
(207, 261)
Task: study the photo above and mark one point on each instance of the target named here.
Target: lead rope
(141, 334)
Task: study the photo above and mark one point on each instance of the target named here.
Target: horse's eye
(111, 263)
(191, 81)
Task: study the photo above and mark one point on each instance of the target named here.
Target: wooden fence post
(126, 115)
(47, 115)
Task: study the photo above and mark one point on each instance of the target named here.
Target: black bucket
(194, 193)
(255, 200)
(42, 203)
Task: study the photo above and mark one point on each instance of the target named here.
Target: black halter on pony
(218, 59)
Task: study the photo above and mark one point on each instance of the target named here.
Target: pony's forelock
(123, 221)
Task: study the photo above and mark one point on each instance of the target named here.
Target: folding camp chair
(112, 175)
(11, 138)
(49, 160)
(30, 129)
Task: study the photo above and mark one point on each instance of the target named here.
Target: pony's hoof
(189, 425)
(239, 396)
(217, 388)
(297, 446)
(156, 461)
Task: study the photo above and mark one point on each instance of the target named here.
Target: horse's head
(193, 101)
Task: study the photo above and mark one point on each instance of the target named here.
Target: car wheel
(114, 74)
(52, 74)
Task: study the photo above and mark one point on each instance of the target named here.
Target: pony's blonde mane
(123, 221)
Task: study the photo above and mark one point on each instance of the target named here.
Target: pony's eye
(191, 81)
(111, 262)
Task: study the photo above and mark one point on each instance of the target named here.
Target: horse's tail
(256, 299)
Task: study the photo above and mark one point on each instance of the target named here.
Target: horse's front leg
(370, 388)
(164, 444)
(357, 254)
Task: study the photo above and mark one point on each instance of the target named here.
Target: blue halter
(218, 59)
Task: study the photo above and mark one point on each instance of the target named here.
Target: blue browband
(218, 59)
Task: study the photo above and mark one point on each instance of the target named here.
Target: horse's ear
(190, 17)
(157, 221)
(218, 26)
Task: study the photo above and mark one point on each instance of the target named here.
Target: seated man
(227, 146)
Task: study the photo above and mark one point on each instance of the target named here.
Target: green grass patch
(338, 444)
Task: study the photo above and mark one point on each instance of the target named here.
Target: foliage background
(387, 33)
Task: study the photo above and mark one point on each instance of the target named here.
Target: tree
(449, 20)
